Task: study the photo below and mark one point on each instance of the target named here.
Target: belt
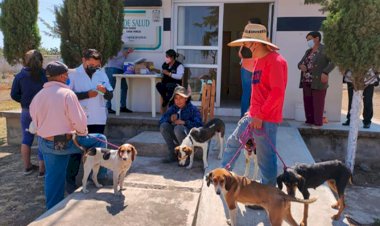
(68, 137)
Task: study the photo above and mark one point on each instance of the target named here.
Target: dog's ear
(134, 152)
(188, 150)
(227, 182)
(301, 182)
(176, 150)
(279, 181)
(209, 179)
(91, 151)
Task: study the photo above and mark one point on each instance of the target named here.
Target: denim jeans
(266, 156)
(123, 89)
(173, 136)
(246, 77)
(56, 164)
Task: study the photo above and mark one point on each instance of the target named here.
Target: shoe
(124, 109)
(346, 123)
(366, 126)
(110, 111)
(168, 160)
(30, 170)
(316, 127)
(254, 207)
(41, 175)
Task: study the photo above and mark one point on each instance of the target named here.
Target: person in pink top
(57, 115)
(269, 81)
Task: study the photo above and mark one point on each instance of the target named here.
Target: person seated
(177, 121)
(172, 72)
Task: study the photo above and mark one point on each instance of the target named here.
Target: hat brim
(181, 94)
(239, 42)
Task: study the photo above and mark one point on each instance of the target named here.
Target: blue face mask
(310, 43)
(68, 81)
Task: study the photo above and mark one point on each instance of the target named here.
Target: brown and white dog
(250, 154)
(240, 189)
(119, 161)
(200, 137)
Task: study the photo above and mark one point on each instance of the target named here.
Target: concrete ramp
(156, 194)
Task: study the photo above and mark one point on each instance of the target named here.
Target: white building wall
(293, 45)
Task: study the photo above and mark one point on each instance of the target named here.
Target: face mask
(68, 81)
(167, 60)
(246, 52)
(310, 43)
(90, 70)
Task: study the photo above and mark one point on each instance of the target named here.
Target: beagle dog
(304, 176)
(240, 189)
(250, 154)
(119, 161)
(200, 137)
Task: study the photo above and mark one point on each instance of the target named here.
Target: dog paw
(118, 193)
(335, 206)
(99, 185)
(205, 167)
(219, 157)
(188, 167)
(335, 217)
(303, 223)
(229, 221)
(85, 191)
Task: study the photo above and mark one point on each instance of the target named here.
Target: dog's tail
(305, 201)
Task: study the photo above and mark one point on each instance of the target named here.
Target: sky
(46, 12)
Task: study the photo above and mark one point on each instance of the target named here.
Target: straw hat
(254, 33)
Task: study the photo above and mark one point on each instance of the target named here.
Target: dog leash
(104, 141)
(263, 134)
(244, 137)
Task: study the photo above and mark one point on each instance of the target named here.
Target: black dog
(304, 176)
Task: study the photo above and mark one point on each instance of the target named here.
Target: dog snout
(218, 192)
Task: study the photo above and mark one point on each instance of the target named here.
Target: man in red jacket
(270, 72)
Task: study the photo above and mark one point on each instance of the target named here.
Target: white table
(129, 78)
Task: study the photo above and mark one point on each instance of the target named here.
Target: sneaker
(316, 127)
(110, 111)
(124, 109)
(41, 175)
(346, 123)
(367, 126)
(30, 170)
(254, 207)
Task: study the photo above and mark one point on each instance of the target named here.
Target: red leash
(271, 144)
(104, 141)
(244, 137)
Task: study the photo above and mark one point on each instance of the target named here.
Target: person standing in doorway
(26, 84)
(115, 66)
(246, 62)
(315, 67)
(269, 81)
(92, 87)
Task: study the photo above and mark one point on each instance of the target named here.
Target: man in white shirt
(93, 89)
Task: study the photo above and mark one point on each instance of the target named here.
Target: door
(197, 36)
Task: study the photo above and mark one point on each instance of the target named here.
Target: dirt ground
(22, 197)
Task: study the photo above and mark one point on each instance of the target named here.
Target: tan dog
(119, 161)
(240, 189)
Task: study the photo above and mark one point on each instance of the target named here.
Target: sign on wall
(143, 29)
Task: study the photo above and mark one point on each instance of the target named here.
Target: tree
(18, 22)
(352, 42)
(84, 24)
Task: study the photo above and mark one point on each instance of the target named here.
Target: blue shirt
(24, 87)
(189, 114)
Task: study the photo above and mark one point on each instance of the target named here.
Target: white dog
(200, 137)
(119, 161)
(250, 154)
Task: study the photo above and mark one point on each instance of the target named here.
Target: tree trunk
(356, 109)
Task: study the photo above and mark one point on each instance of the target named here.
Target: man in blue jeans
(269, 81)
(57, 116)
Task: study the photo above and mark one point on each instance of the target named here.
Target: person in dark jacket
(172, 72)
(315, 67)
(26, 84)
(178, 120)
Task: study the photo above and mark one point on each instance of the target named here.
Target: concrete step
(156, 194)
(149, 143)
